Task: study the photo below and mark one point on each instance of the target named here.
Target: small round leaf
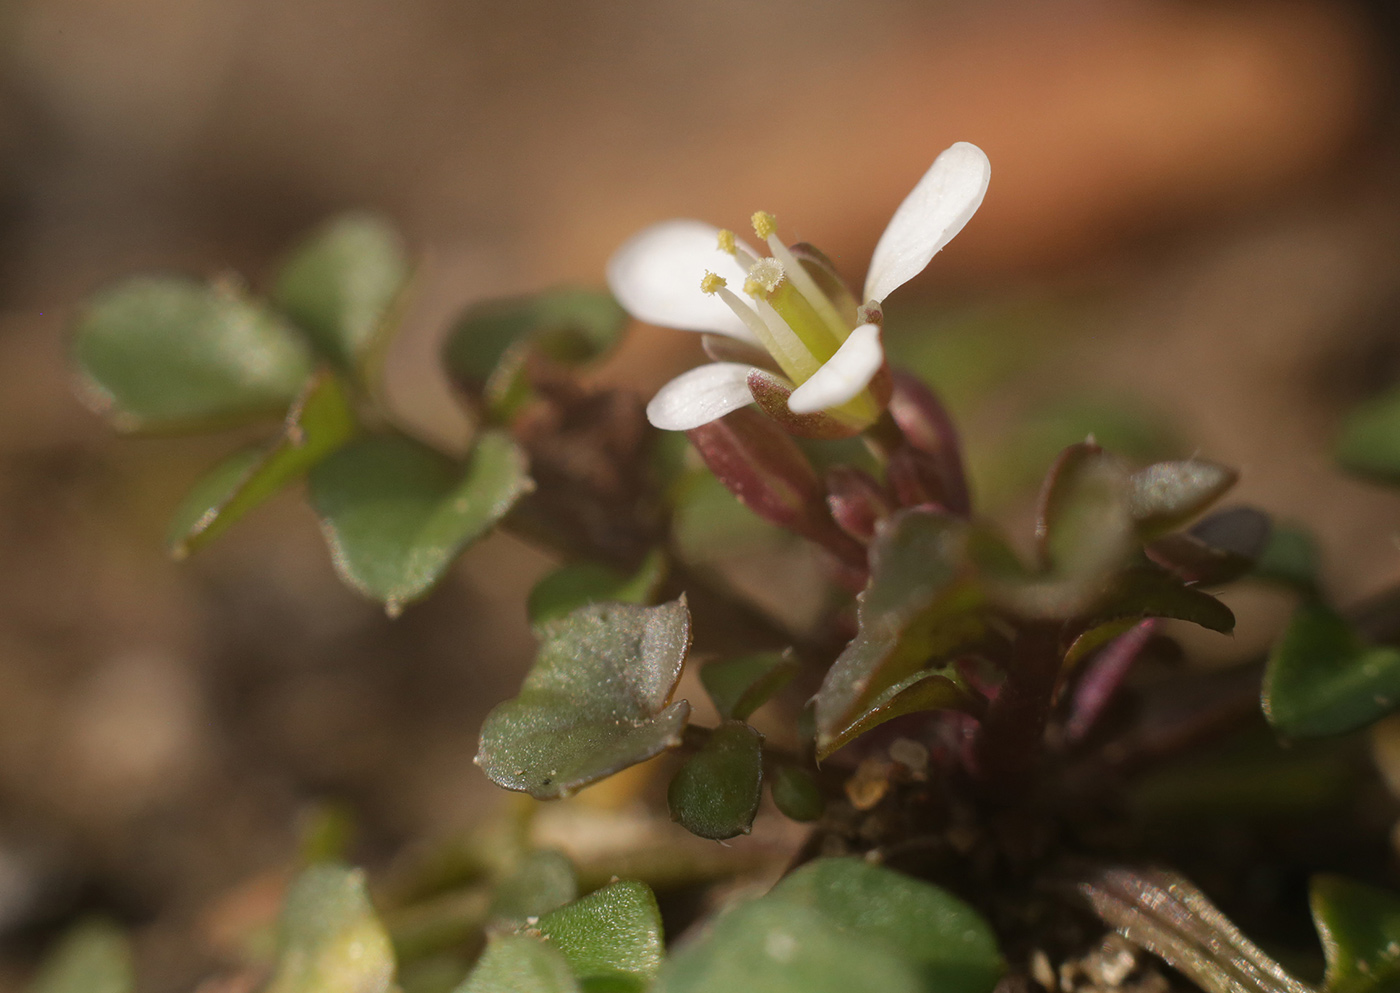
(396, 514)
(1323, 679)
(1360, 930)
(330, 940)
(520, 963)
(716, 793)
(796, 794)
(341, 285)
(165, 351)
(597, 700)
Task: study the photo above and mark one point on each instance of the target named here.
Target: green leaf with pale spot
(319, 423)
(739, 686)
(519, 963)
(543, 881)
(780, 946)
(581, 583)
(612, 937)
(342, 285)
(715, 794)
(1323, 679)
(94, 957)
(329, 938)
(597, 700)
(159, 352)
(946, 940)
(1360, 930)
(396, 514)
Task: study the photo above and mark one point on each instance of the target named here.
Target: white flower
(791, 327)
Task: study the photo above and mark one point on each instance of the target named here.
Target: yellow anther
(727, 244)
(764, 224)
(712, 283)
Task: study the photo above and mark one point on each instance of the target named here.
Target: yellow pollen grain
(764, 224)
(727, 244)
(712, 283)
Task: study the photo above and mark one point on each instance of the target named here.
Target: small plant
(962, 729)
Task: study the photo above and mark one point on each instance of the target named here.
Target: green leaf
(926, 690)
(779, 946)
(945, 939)
(1323, 679)
(319, 423)
(487, 349)
(716, 793)
(739, 686)
(1166, 495)
(581, 583)
(1360, 931)
(519, 963)
(1370, 440)
(330, 940)
(342, 284)
(917, 606)
(543, 881)
(797, 794)
(166, 351)
(612, 934)
(1085, 532)
(1085, 514)
(94, 957)
(1290, 558)
(596, 701)
(1147, 591)
(396, 514)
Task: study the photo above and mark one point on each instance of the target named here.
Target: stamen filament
(807, 286)
(787, 349)
(751, 320)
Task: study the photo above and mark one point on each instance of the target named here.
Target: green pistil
(799, 314)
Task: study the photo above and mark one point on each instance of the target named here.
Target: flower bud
(762, 466)
(934, 467)
(857, 502)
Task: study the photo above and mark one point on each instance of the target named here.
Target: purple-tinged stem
(1009, 742)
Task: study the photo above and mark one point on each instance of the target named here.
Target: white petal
(656, 276)
(703, 394)
(844, 375)
(933, 212)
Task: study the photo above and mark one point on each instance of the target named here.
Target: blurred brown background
(1190, 244)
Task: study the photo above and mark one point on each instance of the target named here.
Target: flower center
(798, 322)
